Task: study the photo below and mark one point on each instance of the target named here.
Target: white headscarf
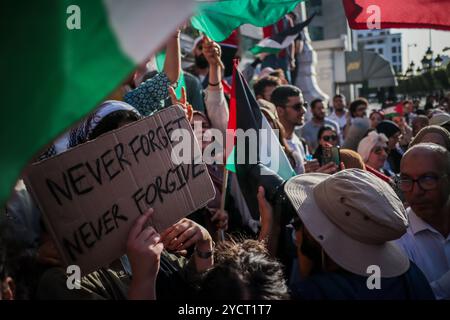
(373, 139)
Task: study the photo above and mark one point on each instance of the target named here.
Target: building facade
(385, 43)
(330, 37)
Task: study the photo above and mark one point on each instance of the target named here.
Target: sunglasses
(300, 106)
(329, 138)
(379, 150)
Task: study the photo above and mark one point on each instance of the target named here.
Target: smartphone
(331, 154)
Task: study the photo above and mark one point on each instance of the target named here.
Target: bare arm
(172, 64)
(215, 102)
(270, 224)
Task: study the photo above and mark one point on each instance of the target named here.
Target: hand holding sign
(91, 195)
(144, 251)
(184, 234)
(187, 107)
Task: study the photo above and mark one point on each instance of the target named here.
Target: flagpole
(220, 234)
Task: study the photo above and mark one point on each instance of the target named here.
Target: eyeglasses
(300, 106)
(426, 182)
(379, 150)
(329, 138)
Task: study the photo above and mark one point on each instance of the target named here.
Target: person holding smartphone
(328, 138)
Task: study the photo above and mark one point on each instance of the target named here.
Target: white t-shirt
(298, 153)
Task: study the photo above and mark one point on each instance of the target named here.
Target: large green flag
(62, 58)
(217, 19)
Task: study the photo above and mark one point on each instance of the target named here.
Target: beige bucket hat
(439, 119)
(354, 216)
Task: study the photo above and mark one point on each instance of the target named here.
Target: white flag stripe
(269, 43)
(153, 20)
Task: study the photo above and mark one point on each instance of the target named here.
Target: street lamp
(409, 72)
(425, 62)
(438, 61)
(429, 54)
(418, 71)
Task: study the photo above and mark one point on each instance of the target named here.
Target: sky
(420, 37)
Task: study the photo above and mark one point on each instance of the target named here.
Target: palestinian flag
(245, 114)
(62, 58)
(431, 14)
(218, 19)
(394, 111)
(282, 40)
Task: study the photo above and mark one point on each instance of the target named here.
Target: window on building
(314, 6)
(380, 51)
(380, 41)
(369, 42)
(316, 33)
(394, 59)
(394, 39)
(395, 69)
(394, 49)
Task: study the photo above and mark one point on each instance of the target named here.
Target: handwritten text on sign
(92, 194)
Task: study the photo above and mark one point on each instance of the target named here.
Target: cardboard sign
(91, 195)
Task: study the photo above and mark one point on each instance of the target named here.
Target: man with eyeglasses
(425, 182)
(310, 130)
(291, 109)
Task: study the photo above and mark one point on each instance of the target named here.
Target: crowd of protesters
(385, 204)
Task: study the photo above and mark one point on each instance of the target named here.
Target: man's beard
(201, 62)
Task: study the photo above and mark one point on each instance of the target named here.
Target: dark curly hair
(16, 260)
(244, 270)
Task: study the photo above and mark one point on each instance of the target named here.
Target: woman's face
(377, 157)
(375, 119)
(394, 140)
(361, 111)
(328, 137)
(198, 122)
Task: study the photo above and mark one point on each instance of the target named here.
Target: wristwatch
(203, 254)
